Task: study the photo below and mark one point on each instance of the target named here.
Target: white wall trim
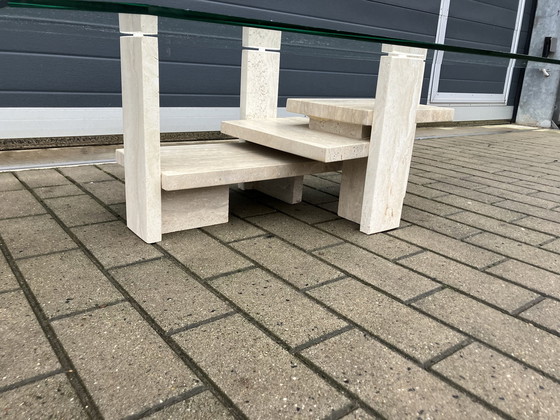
(66, 122)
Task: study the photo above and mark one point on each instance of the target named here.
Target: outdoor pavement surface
(289, 311)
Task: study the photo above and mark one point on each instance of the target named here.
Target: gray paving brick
(234, 230)
(530, 210)
(553, 246)
(523, 252)
(396, 323)
(449, 247)
(555, 198)
(294, 231)
(380, 243)
(437, 223)
(534, 187)
(504, 383)
(24, 350)
(288, 314)
(7, 279)
(120, 209)
(531, 200)
(123, 363)
(262, 379)
(51, 398)
(67, 282)
(305, 212)
(396, 280)
(531, 178)
(78, 210)
(313, 196)
(42, 178)
(203, 406)
(8, 182)
(114, 244)
(358, 415)
(58, 191)
(293, 265)
(541, 225)
(168, 294)
(389, 383)
(501, 228)
(482, 208)
(332, 207)
(244, 206)
(87, 173)
(518, 188)
(321, 184)
(513, 336)
(110, 192)
(429, 205)
(476, 195)
(488, 288)
(34, 236)
(535, 278)
(202, 254)
(423, 191)
(114, 169)
(545, 313)
(18, 203)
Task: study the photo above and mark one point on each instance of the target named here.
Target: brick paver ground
(289, 311)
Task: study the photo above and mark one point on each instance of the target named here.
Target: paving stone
(529, 177)
(486, 287)
(389, 383)
(120, 209)
(514, 249)
(18, 203)
(358, 415)
(545, 313)
(476, 195)
(423, 191)
(34, 235)
(78, 210)
(114, 169)
(323, 185)
(555, 198)
(437, 223)
(288, 314)
(67, 282)
(305, 212)
(203, 255)
(113, 244)
(513, 336)
(534, 187)
(24, 349)
(380, 243)
(8, 182)
(553, 246)
(294, 231)
(7, 279)
(203, 406)
(332, 207)
(42, 178)
(504, 383)
(261, 378)
(168, 294)
(393, 279)
(58, 191)
(482, 208)
(531, 200)
(517, 187)
(449, 247)
(541, 225)
(429, 205)
(110, 192)
(243, 206)
(293, 265)
(535, 278)
(124, 364)
(541, 213)
(518, 233)
(234, 230)
(410, 331)
(51, 398)
(313, 196)
(85, 174)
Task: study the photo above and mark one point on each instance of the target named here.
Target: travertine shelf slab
(206, 165)
(359, 111)
(293, 135)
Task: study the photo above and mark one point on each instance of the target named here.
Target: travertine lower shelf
(205, 165)
(293, 135)
(358, 111)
